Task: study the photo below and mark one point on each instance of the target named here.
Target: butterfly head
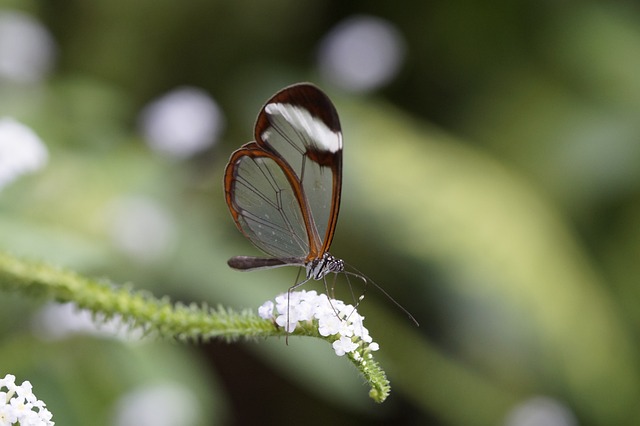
(318, 268)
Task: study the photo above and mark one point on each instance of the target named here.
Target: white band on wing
(324, 138)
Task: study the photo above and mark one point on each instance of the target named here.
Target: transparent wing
(264, 205)
(284, 189)
(301, 125)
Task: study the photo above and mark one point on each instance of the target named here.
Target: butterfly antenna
(368, 280)
(353, 295)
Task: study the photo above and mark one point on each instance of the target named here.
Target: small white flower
(289, 326)
(329, 325)
(344, 345)
(21, 150)
(8, 381)
(25, 390)
(266, 310)
(8, 415)
(19, 405)
(332, 317)
(306, 310)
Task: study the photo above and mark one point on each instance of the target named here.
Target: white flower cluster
(17, 405)
(333, 317)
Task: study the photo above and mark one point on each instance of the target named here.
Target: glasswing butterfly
(283, 189)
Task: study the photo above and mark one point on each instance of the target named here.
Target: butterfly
(283, 189)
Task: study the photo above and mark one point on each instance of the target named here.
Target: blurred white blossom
(141, 228)
(19, 406)
(21, 150)
(27, 49)
(361, 53)
(56, 321)
(541, 410)
(182, 122)
(165, 404)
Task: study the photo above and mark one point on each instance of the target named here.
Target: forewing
(300, 125)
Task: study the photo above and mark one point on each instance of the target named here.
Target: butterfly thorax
(318, 268)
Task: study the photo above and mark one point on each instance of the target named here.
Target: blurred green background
(491, 186)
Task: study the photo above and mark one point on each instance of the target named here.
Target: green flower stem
(160, 316)
(367, 366)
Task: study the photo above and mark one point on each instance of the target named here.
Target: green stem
(160, 316)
